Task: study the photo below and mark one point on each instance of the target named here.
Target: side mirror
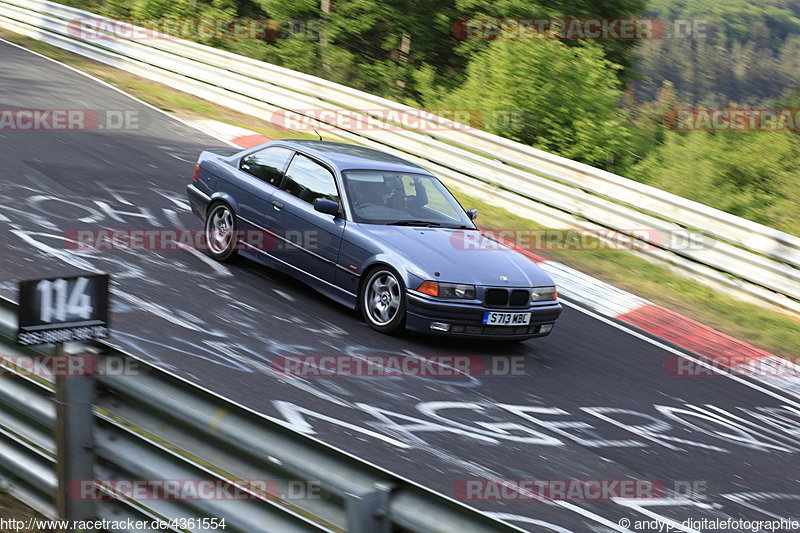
(329, 207)
(472, 214)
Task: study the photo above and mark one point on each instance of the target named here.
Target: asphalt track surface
(594, 402)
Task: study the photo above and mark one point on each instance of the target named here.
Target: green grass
(770, 330)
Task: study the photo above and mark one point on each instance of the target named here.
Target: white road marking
(679, 353)
(117, 89)
(601, 296)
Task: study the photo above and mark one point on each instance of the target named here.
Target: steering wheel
(359, 205)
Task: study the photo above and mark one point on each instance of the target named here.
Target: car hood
(458, 257)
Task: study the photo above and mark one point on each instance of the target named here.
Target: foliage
(547, 94)
(745, 52)
(748, 174)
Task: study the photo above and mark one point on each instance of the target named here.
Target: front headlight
(448, 290)
(544, 294)
(457, 290)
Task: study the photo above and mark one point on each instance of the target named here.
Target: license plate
(493, 318)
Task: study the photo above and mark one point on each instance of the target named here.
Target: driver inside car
(396, 197)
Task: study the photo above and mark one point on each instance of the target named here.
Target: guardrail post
(74, 438)
(369, 512)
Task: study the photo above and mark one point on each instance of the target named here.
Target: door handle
(277, 205)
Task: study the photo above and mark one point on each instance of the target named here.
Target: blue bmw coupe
(373, 232)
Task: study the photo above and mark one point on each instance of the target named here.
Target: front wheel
(220, 232)
(383, 301)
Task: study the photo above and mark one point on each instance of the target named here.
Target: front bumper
(465, 319)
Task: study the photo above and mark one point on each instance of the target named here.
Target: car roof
(351, 156)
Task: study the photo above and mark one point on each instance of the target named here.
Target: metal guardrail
(150, 424)
(754, 260)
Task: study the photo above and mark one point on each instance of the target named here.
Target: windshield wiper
(425, 223)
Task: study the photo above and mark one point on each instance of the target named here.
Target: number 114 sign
(63, 309)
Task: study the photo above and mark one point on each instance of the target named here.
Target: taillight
(196, 172)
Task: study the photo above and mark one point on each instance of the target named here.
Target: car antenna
(318, 135)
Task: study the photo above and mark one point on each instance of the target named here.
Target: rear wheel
(383, 301)
(220, 232)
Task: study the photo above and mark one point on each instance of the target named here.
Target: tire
(220, 230)
(382, 301)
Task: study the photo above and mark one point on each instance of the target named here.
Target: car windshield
(386, 197)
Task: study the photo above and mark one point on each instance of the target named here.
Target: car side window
(308, 180)
(267, 164)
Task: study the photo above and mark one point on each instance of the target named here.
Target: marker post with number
(55, 311)
(63, 310)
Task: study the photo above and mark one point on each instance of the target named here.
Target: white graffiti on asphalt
(493, 423)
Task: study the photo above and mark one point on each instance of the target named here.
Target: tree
(748, 174)
(560, 98)
(620, 52)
